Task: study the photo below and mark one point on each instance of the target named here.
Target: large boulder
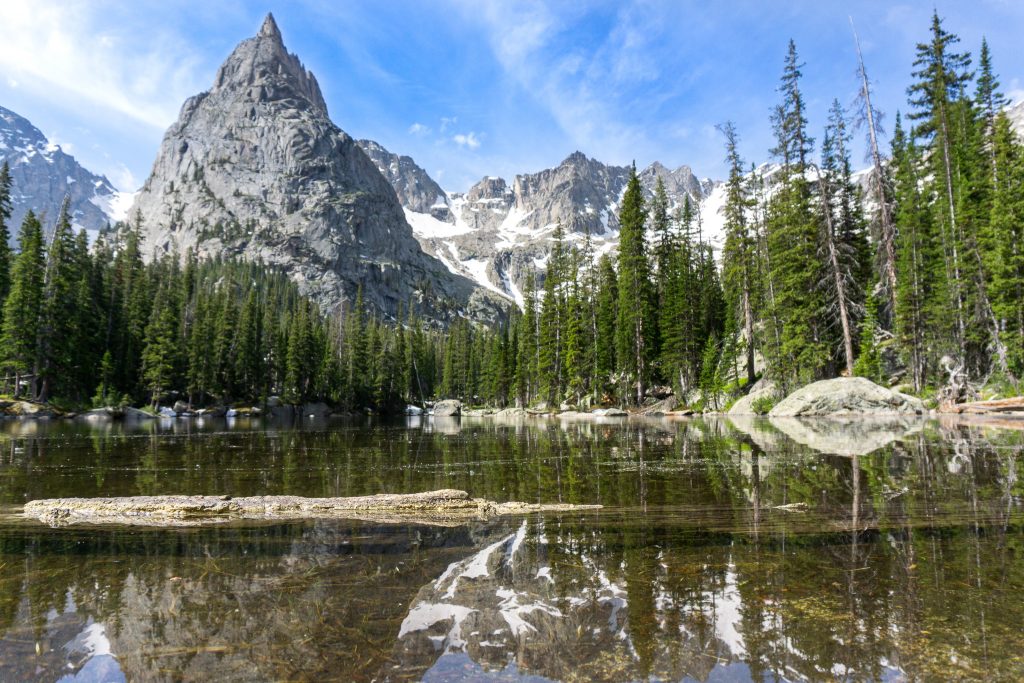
(846, 396)
(762, 388)
(182, 407)
(450, 408)
(26, 409)
(413, 410)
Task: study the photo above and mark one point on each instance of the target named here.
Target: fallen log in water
(1003, 405)
(444, 506)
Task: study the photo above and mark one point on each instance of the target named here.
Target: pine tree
(842, 244)
(526, 352)
(159, 362)
(607, 311)
(792, 241)
(19, 335)
(5, 235)
(739, 267)
(942, 75)
(880, 187)
(551, 367)
(56, 344)
(635, 315)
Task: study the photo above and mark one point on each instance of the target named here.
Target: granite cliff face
(254, 168)
(43, 174)
(415, 189)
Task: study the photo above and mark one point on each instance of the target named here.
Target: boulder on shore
(762, 388)
(846, 396)
(413, 410)
(181, 407)
(450, 408)
(609, 412)
(167, 412)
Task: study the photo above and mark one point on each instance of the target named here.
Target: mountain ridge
(255, 168)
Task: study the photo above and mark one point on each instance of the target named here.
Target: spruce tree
(635, 315)
(739, 255)
(5, 235)
(19, 335)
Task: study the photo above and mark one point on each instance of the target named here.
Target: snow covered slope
(43, 175)
(498, 234)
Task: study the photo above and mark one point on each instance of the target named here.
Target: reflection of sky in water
(92, 646)
(694, 572)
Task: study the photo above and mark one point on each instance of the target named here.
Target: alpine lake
(727, 549)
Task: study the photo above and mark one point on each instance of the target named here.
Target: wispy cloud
(468, 140)
(61, 49)
(419, 129)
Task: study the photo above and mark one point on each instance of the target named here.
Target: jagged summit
(269, 28)
(262, 69)
(255, 169)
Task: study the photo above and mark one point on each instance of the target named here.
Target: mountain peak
(262, 69)
(269, 28)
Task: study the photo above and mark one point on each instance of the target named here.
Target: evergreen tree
(160, 350)
(792, 241)
(739, 255)
(635, 315)
(5, 235)
(19, 335)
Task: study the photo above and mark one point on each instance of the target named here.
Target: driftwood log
(1003, 405)
(446, 506)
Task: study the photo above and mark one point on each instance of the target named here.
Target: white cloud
(66, 51)
(448, 121)
(11, 83)
(123, 179)
(418, 129)
(469, 140)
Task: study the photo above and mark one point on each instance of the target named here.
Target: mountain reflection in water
(904, 565)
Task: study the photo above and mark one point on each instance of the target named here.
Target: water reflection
(727, 551)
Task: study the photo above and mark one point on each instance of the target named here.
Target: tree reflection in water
(904, 565)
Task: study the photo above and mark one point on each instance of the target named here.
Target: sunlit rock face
(254, 168)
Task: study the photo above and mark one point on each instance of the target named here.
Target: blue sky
(479, 88)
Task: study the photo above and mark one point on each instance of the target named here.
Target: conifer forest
(909, 273)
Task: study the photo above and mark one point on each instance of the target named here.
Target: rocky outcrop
(43, 174)
(499, 233)
(416, 190)
(762, 389)
(439, 505)
(255, 169)
(846, 396)
(450, 408)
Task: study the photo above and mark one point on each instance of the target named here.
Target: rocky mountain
(43, 174)
(255, 168)
(415, 189)
(497, 233)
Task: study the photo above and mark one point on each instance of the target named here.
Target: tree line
(913, 274)
(98, 325)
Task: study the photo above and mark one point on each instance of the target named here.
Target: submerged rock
(442, 505)
(846, 396)
(450, 408)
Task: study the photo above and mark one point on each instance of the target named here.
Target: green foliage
(762, 405)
